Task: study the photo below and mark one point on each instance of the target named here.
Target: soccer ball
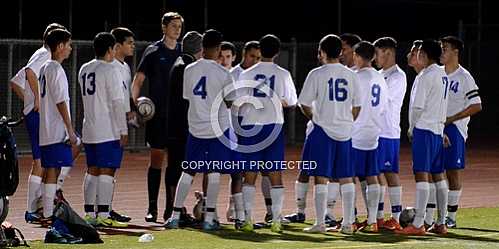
(145, 108)
(407, 216)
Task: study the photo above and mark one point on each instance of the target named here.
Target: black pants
(176, 155)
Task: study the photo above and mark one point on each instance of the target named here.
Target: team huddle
(205, 111)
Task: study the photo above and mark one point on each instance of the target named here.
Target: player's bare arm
(307, 111)
(138, 81)
(468, 112)
(63, 110)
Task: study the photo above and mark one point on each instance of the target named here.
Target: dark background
(476, 22)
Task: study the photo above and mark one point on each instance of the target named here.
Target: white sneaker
(317, 228)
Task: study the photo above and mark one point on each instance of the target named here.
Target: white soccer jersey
(36, 61)
(397, 83)
(236, 71)
(368, 125)
(203, 81)
(463, 92)
(126, 81)
(279, 81)
(332, 90)
(100, 85)
(430, 94)
(53, 90)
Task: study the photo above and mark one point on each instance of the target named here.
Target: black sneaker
(450, 223)
(119, 217)
(295, 218)
(330, 222)
(151, 217)
(238, 224)
(186, 220)
(268, 217)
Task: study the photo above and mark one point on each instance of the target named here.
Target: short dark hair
(170, 16)
(331, 45)
(385, 42)
(103, 41)
(251, 45)
(228, 46)
(350, 39)
(455, 42)
(56, 37)
(121, 33)
(432, 49)
(365, 50)
(417, 43)
(269, 45)
(212, 38)
(51, 27)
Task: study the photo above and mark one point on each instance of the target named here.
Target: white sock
(277, 195)
(249, 198)
(183, 187)
(381, 204)
(432, 204)
(454, 196)
(372, 202)
(212, 196)
(301, 190)
(62, 176)
(266, 186)
(320, 198)
(231, 208)
(442, 200)
(239, 206)
(363, 188)
(104, 195)
(333, 190)
(34, 186)
(90, 193)
(395, 194)
(347, 199)
(422, 193)
(48, 199)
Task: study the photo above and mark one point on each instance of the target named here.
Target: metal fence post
(10, 65)
(74, 81)
(292, 112)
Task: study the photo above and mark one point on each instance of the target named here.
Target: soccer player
(389, 140)
(125, 47)
(178, 127)
(334, 91)
(367, 127)
(464, 102)
(104, 131)
(412, 56)
(264, 125)
(155, 64)
(348, 40)
(55, 118)
(204, 80)
(227, 55)
(25, 85)
(250, 56)
(427, 112)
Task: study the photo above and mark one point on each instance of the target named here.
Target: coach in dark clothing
(155, 65)
(177, 107)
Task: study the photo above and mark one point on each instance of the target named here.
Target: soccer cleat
(392, 224)
(295, 218)
(238, 224)
(370, 228)
(329, 220)
(411, 230)
(276, 227)
(438, 229)
(119, 217)
(247, 226)
(151, 217)
(380, 223)
(211, 226)
(450, 223)
(108, 222)
(321, 228)
(268, 217)
(33, 217)
(171, 223)
(348, 229)
(428, 226)
(90, 220)
(360, 225)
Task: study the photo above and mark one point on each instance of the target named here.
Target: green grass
(478, 228)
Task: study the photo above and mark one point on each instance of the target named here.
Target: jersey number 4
(200, 88)
(337, 90)
(91, 80)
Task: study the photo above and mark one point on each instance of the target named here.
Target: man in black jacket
(177, 126)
